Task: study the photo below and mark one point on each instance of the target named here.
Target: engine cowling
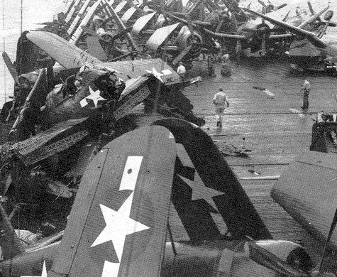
(186, 38)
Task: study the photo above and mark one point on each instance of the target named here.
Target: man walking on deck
(210, 65)
(306, 90)
(221, 103)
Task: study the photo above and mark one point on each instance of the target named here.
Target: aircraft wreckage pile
(79, 83)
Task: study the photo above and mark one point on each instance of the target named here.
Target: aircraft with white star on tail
(161, 201)
(64, 118)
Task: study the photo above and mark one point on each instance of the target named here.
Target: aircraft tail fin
(207, 196)
(118, 223)
(9, 241)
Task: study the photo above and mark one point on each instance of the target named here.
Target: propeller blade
(286, 17)
(182, 55)
(11, 67)
(189, 24)
(271, 261)
(310, 8)
(248, 7)
(313, 18)
(332, 228)
(262, 3)
(281, 6)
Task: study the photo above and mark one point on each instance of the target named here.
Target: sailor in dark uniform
(210, 64)
(306, 90)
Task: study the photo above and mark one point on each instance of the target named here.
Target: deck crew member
(306, 90)
(210, 64)
(225, 67)
(181, 70)
(221, 103)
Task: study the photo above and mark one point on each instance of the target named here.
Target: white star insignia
(200, 191)
(44, 271)
(110, 269)
(94, 96)
(118, 223)
(156, 74)
(118, 226)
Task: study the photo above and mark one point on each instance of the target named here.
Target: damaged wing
(70, 56)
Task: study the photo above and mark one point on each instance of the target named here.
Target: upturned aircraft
(74, 58)
(158, 201)
(54, 118)
(311, 49)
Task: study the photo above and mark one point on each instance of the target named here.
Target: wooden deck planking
(275, 129)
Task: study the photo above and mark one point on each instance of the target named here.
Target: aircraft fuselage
(202, 259)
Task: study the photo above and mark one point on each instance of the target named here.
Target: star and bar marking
(118, 223)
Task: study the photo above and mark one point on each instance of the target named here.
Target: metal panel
(137, 68)
(78, 17)
(159, 36)
(120, 6)
(128, 14)
(307, 191)
(72, 11)
(90, 14)
(142, 22)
